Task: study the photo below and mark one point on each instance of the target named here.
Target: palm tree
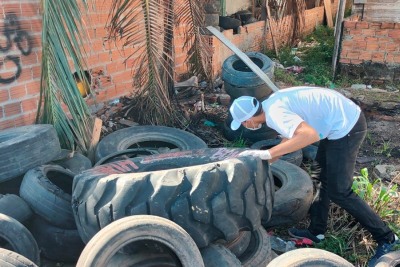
(151, 23)
(61, 103)
(146, 25)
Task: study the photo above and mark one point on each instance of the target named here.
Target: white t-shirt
(330, 113)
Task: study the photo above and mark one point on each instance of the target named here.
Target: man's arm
(303, 136)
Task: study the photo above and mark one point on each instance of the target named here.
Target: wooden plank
(338, 34)
(328, 12)
(97, 124)
(271, 28)
(244, 58)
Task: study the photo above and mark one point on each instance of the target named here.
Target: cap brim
(235, 125)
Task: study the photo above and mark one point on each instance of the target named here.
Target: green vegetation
(238, 143)
(347, 238)
(314, 55)
(385, 150)
(287, 78)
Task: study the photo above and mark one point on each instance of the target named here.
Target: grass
(315, 56)
(346, 237)
(238, 143)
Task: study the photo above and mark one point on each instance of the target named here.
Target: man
(305, 115)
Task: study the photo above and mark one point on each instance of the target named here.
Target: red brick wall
(370, 41)
(111, 74)
(19, 61)
(371, 46)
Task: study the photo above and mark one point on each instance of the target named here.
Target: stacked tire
(47, 189)
(239, 80)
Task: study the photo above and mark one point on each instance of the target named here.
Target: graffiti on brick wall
(15, 39)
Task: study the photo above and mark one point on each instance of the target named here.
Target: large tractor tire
(211, 193)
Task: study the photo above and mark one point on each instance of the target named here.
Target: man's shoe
(382, 249)
(305, 233)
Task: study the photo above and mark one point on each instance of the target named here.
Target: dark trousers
(337, 159)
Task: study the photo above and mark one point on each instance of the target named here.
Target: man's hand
(262, 154)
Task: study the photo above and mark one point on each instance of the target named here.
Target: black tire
(216, 255)
(14, 236)
(148, 137)
(15, 207)
(26, 147)
(239, 80)
(75, 162)
(293, 196)
(295, 157)
(229, 23)
(10, 258)
(106, 243)
(47, 189)
(247, 135)
(391, 259)
(258, 253)
(239, 244)
(309, 257)
(201, 190)
(55, 243)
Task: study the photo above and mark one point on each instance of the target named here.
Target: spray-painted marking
(224, 153)
(13, 33)
(124, 166)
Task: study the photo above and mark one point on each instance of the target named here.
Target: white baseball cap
(242, 109)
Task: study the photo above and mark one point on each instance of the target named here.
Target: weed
(385, 150)
(286, 77)
(347, 238)
(335, 244)
(379, 196)
(240, 142)
(370, 139)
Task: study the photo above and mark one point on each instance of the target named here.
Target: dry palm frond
(147, 26)
(191, 13)
(63, 105)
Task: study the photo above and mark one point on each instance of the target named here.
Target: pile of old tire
(47, 189)
(211, 193)
(240, 80)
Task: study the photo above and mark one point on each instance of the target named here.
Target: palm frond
(147, 26)
(191, 13)
(62, 43)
